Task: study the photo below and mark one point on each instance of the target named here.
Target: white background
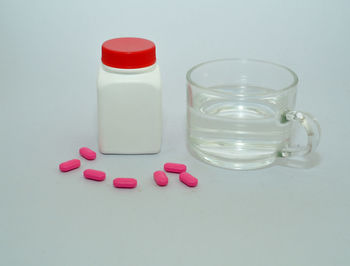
(281, 215)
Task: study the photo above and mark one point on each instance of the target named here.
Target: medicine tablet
(69, 165)
(160, 178)
(94, 175)
(188, 179)
(125, 182)
(174, 167)
(87, 153)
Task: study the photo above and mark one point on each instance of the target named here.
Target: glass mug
(240, 113)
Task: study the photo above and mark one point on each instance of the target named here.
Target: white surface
(276, 216)
(129, 110)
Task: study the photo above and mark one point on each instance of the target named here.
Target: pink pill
(87, 153)
(160, 178)
(69, 165)
(174, 167)
(94, 175)
(125, 182)
(188, 179)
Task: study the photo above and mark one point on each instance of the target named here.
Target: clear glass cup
(240, 113)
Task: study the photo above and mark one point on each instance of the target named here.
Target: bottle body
(129, 110)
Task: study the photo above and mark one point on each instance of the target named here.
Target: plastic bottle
(129, 98)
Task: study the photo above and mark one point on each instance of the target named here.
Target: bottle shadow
(306, 162)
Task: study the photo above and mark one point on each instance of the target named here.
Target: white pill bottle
(129, 98)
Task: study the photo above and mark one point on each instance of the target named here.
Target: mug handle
(313, 131)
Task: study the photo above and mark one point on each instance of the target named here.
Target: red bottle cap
(128, 53)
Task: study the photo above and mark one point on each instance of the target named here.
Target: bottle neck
(128, 71)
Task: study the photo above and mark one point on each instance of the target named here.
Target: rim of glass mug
(295, 79)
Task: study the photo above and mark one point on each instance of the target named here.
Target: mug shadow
(306, 162)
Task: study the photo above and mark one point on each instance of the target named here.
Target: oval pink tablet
(69, 165)
(87, 153)
(175, 167)
(188, 179)
(160, 178)
(125, 182)
(94, 175)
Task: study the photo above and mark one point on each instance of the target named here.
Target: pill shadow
(306, 162)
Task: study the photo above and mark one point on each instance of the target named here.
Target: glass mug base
(233, 161)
